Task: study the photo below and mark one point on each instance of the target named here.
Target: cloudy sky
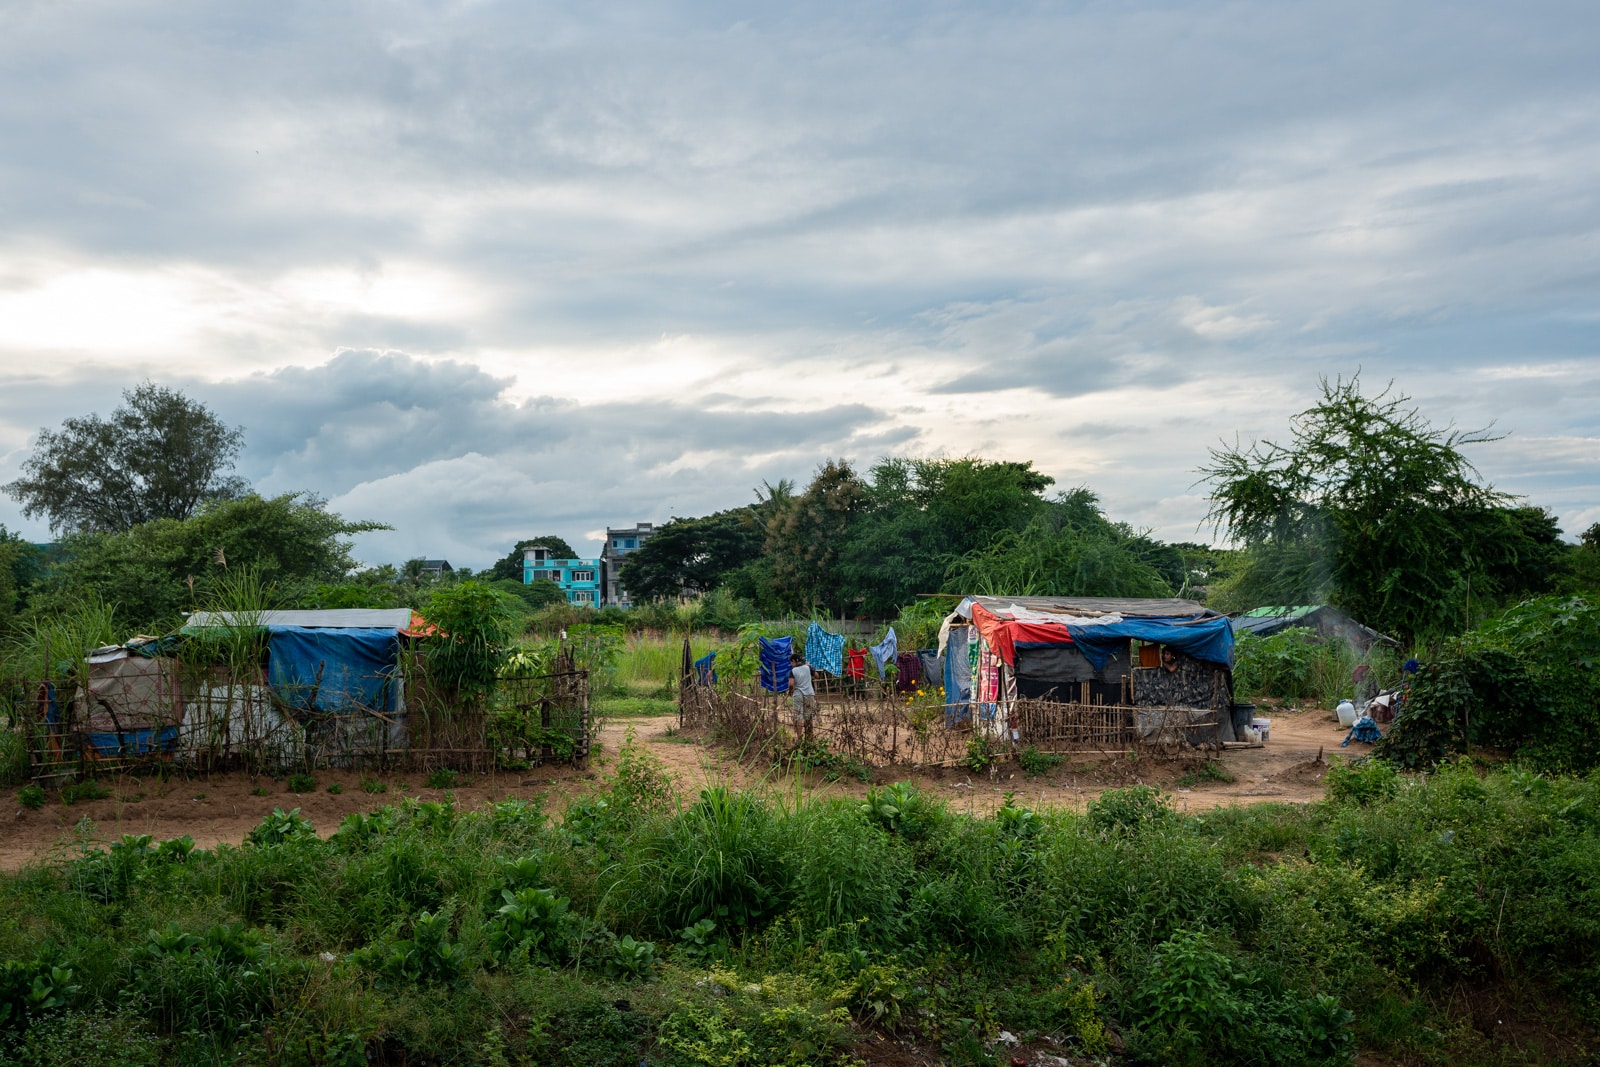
(484, 270)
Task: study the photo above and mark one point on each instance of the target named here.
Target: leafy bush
(1363, 782)
(300, 783)
(1035, 762)
(88, 789)
(31, 797)
(442, 778)
(1131, 810)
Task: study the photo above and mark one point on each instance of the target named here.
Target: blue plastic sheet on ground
(333, 668)
(1365, 731)
(705, 669)
(775, 652)
(825, 651)
(1210, 640)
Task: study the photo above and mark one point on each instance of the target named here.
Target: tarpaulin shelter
(329, 660)
(130, 704)
(1082, 649)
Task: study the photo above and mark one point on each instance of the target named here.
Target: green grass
(634, 707)
(746, 927)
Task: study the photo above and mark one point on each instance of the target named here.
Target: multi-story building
(619, 544)
(580, 579)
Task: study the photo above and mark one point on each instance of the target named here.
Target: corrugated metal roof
(363, 618)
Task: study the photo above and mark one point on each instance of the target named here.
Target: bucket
(1263, 725)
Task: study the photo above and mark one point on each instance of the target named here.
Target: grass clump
(88, 789)
(1209, 771)
(31, 796)
(442, 778)
(300, 783)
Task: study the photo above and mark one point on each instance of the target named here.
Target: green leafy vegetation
(737, 927)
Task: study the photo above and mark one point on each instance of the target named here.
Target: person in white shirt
(802, 693)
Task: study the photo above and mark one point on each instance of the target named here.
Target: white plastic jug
(1346, 712)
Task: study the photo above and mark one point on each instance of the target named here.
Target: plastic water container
(1346, 711)
(1263, 726)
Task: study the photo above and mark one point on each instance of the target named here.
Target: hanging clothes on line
(855, 663)
(825, 651)
(774, 653)
(883, 652)
(705, 669)
(910, 672)
(932, 672)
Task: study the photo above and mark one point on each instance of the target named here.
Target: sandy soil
(223, 808)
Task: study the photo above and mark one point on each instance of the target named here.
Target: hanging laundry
(910, 668)
(883, 652)
(705, 669)
(855, 663)
(957, 667)
(932, 673)
(825, 651)
(774, 654)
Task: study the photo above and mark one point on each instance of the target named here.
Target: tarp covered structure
(1097, 627)
(1327, 620)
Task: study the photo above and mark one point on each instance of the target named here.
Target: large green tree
(155, 571)
(805, 539)
(919, 515)
(1370, 506)
(693, 555)
(160, 455)
(1069, 548)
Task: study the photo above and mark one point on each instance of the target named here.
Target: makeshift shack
(1002, 654)
(1325, 620)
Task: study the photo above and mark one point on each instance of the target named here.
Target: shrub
(301, 783)
(31, 796)
(442, 778)
(1130, 810)
(1034, 762)
(88, 789)
(1361, 782)
(374, 786)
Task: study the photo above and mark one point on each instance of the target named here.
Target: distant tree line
(1367, 506)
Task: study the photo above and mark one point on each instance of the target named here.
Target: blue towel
(825, 651)
(775, 663)
(705, 669)
(1365, 730)
(884, 651)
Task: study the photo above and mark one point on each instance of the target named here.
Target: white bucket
(1262, 725)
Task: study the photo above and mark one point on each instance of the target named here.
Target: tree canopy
(160, 455)
(693, 555)
(154, 572)
(1371, 507)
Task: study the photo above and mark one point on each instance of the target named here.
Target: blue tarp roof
(1210, 640)
(333, 668)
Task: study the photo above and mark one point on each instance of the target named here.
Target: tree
(692, 555)
(1069, 548)
(918, 515)
(159, 456)
(805, 538)
(156, 570)
(1373, 508)
(510, 566)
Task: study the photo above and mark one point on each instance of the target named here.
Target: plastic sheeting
(333, 668)
(1207, 640)
(774, 654)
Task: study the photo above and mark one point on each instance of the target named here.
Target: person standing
(802, 693)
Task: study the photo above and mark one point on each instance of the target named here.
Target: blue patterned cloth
(825, 651)
(884, 651)
(774, 653)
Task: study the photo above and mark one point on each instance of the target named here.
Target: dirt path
(223, 808)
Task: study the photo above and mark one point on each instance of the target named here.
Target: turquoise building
(581, 579)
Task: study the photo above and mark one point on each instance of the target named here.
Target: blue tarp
(775, 653)
(1210, 639)
(705, 671)
(357, 666)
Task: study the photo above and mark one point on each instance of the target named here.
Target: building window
(583, 576)
(632, 542)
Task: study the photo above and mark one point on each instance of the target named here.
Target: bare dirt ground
(223, 808)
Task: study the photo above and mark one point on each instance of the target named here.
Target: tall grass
(743, 927)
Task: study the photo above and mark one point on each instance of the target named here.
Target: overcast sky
(488, 270)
